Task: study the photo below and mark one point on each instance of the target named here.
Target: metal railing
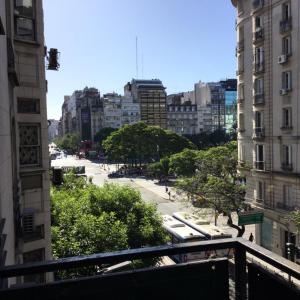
(245, 286)
(285, 25)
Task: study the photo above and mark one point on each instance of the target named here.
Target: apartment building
(151, 96)
(24, 157)
(52, 129)
(112, 110)
(130, 111)
(82, 113)
(182, 117)
(211, 96)
(268, 114)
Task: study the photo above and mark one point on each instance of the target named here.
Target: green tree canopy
(160, 169)
(184, 162)
(70, 141)
(88, 219)
(140, 143)
(102, 134)
(216, 183)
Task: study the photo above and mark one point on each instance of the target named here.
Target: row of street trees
(208, 178)
(69, 142)
(139, 143)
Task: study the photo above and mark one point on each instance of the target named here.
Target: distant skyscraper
(151, 96)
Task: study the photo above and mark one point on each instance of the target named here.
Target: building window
(260, 191)
(259, 55)
(241, 91)
(286, 45)
(287, 80)
(241, 122)
(259, 157)
(287, 117)
(286, 11)
(258, 22)
(2, 31)
(29, 145)
(286, 156)
(259, 86)
(259, 119)
(25, 19)
(28, 106)
(37, 255)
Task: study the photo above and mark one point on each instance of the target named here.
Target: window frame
(287, 40)
(287, 117)
(287, 80)
(38, 145)
(32, 18)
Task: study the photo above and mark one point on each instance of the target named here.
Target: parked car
(115, 175)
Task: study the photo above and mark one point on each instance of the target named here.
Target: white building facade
(268, 114)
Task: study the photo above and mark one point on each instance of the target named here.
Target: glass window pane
(25, 28)
(24, 8)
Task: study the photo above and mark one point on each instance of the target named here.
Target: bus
(211, 232)
(182, 233)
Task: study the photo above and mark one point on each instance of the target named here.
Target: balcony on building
(258, 67)
(258, 35)
(286, 25)
(37, 233)
(257, 4)
(239, 71)
(259, 165)
(240, 46)
(247, 271)
(285, 207)
(259, 133)
(259, 99)
(287, 166)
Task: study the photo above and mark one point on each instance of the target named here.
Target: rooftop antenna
(142, 66)
(136, 57)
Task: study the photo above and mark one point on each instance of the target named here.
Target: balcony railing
(259, 99)
(259, 165)
(258, 67)
(287, 166)
(286, 207)
(263, 276)
(286, 25)
(258, 35)
(259, 133)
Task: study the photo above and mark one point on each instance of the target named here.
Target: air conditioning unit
(282, 59)
(283, 92)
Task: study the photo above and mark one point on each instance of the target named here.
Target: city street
(150, 190)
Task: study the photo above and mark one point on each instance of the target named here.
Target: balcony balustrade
(237, 277)
(286, 25)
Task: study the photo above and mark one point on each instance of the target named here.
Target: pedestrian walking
(167, 189)
(251, 237)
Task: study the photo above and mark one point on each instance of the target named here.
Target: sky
(179, 41)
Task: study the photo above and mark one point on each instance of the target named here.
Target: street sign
(250, 217)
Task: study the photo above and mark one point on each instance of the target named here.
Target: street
(150, 190)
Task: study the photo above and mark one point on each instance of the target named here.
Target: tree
(184, 162)
(216, 183)
(102, 134)
(70, 141)
(138, 143)
(160, 169)
(295, 217)
(88, 219)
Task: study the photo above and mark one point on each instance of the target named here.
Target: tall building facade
(52, 129)
(151, 96)
(112, 110)
(182, 117)
(210, 98)
(24, 157)
(268, 114)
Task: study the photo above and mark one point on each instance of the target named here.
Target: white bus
(182, 233)
(211, 232)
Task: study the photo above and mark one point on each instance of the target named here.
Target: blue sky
(179, 42)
